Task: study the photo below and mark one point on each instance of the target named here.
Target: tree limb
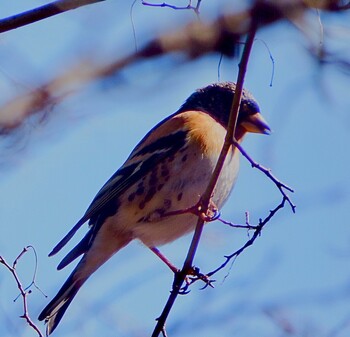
(206, 197)
(42, 12)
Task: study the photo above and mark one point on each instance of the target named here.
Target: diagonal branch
(42, 12)
(204, 202)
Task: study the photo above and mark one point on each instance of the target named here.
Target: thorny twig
(24, 291)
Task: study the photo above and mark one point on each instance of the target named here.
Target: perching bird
(166, 172)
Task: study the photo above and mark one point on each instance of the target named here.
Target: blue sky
(295, 275)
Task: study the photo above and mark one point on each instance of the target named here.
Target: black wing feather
(105, 203)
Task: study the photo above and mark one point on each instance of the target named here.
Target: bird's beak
(256, 123)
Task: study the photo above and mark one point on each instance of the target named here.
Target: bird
(165, 175)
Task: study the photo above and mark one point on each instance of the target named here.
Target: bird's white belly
(151, 225)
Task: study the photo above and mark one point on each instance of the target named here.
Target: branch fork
(24, 291)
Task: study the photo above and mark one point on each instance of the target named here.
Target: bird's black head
(216, 99)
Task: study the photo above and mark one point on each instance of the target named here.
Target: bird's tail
(97, 250)
(54, 311)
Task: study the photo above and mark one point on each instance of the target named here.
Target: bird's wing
(158, 144)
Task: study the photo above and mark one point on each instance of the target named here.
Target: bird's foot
(212, 213)
(193, 276)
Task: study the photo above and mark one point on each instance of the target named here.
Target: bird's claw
(193, 276)
(197, 275)
(184, 290)
(208, 283)
(211, 214)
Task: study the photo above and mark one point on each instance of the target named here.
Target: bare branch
(40, 13)
(206, 197)
(24, 292)
(256, 234)
(197, 39)
(233, 225)
(330, 5)
(164, 4)
(280, 185)
(258, 228)
(61, 6)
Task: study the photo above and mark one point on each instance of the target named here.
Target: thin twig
(256, 234)
(271, 59)
(206, 197)
(164, 4)
(23, 291)
(280, 185)
(33, 282)
(246, 226)
(257, 229)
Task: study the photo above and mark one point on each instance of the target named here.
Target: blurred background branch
(41, 13)
(222, 36)
(77, 75)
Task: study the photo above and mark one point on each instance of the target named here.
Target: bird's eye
(245, 107)
(249, 107)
